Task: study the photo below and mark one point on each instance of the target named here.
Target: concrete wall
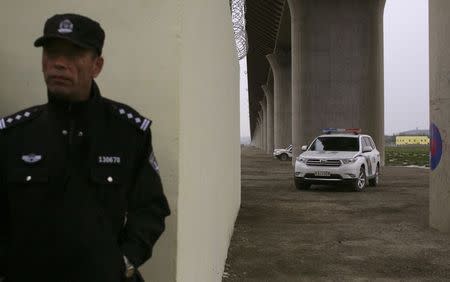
(439, 11)
(209, 140)
(175, 62)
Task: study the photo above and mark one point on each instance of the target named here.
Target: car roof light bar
(342, 130)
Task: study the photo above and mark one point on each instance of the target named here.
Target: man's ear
(98, 66)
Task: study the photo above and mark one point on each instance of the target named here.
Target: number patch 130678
(108, 160)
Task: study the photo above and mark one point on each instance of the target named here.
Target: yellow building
(412, 140)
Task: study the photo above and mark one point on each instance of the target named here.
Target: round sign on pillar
(436, 147)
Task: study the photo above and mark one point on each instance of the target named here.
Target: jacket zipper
(71, 127)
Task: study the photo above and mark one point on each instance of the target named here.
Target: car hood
(328, 155)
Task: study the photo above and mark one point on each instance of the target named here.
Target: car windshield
(348, 144)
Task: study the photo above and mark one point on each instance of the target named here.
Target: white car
(283, 154)
(340, 156)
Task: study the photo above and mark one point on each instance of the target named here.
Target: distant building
(412, 140)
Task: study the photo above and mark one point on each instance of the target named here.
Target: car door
(375, 154)
(368, 156)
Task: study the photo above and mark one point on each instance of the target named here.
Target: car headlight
(300, 159)
(349, 161)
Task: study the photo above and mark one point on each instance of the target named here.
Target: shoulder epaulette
(20, 117)
(129, 114)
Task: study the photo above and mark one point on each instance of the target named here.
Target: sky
(406, 77)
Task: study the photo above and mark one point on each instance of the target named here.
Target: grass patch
(407, 155)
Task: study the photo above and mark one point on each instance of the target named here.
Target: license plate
(322, 173)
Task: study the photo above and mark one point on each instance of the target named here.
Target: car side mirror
(304, 148)
(367, 149)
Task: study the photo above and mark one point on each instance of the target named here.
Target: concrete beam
(281, 69)
(439, 114)
(270, 118)
(337, 68)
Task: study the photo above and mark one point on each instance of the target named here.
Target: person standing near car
(80, 191)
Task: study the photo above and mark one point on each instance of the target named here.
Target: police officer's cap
(78, 29)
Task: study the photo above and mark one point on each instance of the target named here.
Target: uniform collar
(63, 106)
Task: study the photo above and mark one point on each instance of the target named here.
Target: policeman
(81, 196)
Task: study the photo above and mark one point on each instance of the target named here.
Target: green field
(407, 155)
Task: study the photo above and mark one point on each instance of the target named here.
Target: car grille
(316, 162)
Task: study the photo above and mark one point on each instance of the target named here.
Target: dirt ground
(332, 233)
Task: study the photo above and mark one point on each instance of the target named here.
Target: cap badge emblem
(31, 158)
(65, 26)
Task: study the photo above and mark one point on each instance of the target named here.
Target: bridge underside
(318, 64)
(335, 75)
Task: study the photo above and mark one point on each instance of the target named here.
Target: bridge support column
(281, 68)
(337, 68)
(261, 124)
(264, 122)
(269, 124)
(256, 141)
(439, 114)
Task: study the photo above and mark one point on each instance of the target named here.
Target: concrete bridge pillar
(337, 68)
(258, 135)
(255, 136)
(270, 118)
(281, 69)
(439, 114)
(263, 104)
(261, 124)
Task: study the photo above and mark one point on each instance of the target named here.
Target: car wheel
(360, 182)
(374, 181)
(284, 157)
(300, 185)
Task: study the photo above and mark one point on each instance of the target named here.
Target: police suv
(283, 154)
(339, 156)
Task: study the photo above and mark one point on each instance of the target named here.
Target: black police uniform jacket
(80, 188)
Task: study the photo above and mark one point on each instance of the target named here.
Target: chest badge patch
(31, 158)
(109, 160)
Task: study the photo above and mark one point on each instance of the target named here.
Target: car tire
(374, 181)
(300, 185)
(360, 182)
(284, 157)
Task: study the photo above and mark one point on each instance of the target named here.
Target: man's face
(69, 69)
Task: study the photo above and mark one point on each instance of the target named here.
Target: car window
(349, 144)
(371, 142)
(366, 142)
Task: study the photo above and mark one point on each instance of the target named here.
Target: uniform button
(110, 179)
(64, 132)
(80, 134)
(28, 179)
